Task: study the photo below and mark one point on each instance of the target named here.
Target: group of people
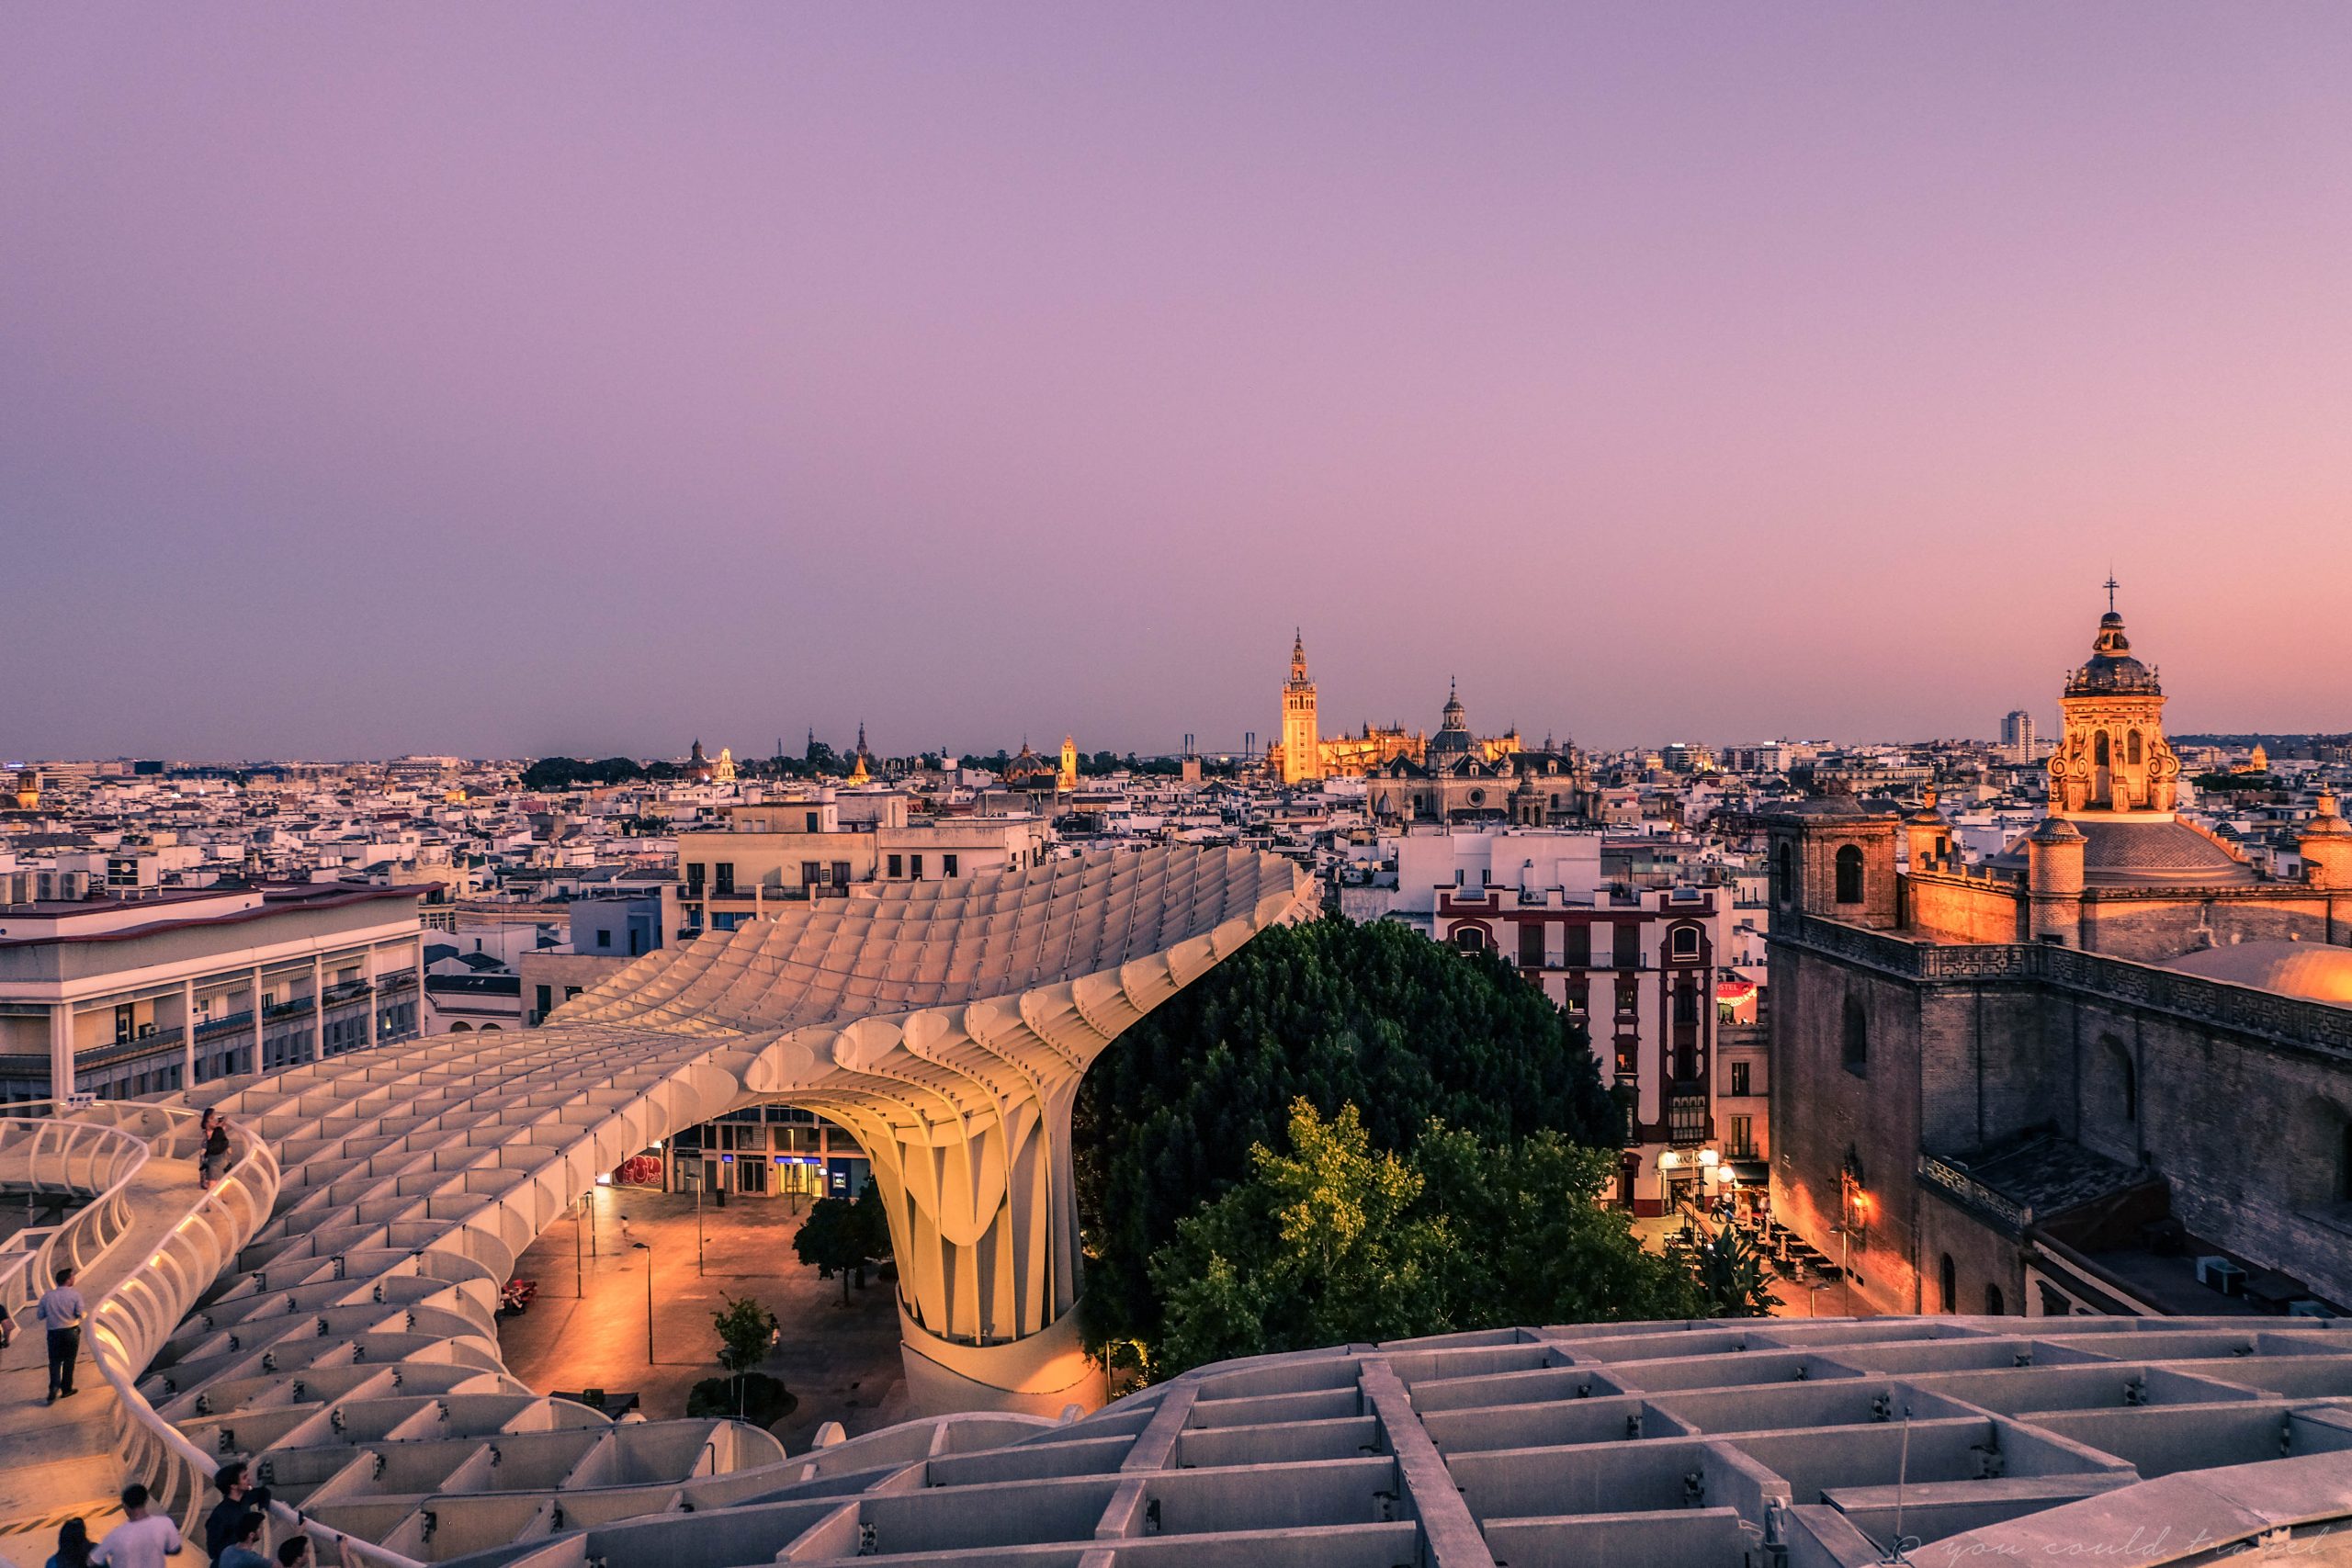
(233, 1532)
(234, 1529)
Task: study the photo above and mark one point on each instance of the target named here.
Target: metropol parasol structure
(326, 1313)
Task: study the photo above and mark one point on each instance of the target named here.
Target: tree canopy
(746, 1332)
(1335, 1242)
(1332, 1013)
(841, 1236)
(563, 772)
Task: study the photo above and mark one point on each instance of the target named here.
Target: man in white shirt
(143, 1540)
(60, 1310)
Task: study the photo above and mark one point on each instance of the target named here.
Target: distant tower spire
(2111, 591)
(1301, 744)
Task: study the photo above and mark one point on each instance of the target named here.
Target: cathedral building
(1460, 778)
(2108, 1070)
(1304, 756)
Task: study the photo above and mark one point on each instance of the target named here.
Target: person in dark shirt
(73, 1545)
(238, 1498)
(216, 1155)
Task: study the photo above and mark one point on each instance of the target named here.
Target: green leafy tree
(1331, 1013)
(563, 772)
(1337, 1241)
(746, 1332)
(1537, 1246)
(842, 1235)
(1324, 1246)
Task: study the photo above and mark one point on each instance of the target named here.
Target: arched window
(1850, 874)
(2129, 1077)
(461, 1029)
(1470, 939)
(1686, 942)
(1785, 872)
(490, 1029)
(1948, 1285)
(1994, 1305)
(2132, 745)
(1854, 1045)
(2099, 749)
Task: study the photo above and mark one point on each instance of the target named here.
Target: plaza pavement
(842, 1363)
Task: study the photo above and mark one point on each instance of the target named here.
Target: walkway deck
(59, 1461)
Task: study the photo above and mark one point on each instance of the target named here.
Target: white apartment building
(820, 847)
(120, 997)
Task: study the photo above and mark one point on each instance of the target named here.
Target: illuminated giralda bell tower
(1302, 748)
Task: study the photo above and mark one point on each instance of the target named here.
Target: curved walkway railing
(87, 1153)
(98, 1153)
(130, 1324)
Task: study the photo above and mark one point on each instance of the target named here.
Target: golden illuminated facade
(2113, 756)
(1299, 758)
(1305, 756)
(2047, 1081)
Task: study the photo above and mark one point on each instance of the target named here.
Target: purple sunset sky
(506, 379)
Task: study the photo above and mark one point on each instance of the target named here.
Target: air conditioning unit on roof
(2218, 1273)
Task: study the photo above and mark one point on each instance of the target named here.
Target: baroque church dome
(2138, 849)
(2314, 970)
(2111, 667)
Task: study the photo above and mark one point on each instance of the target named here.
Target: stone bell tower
(1302, 746)
(2113, 755)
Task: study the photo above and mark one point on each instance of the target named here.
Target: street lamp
(646, 1248)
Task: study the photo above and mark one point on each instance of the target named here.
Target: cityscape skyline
(1250, 738)
(1642, 849)
(582, 388)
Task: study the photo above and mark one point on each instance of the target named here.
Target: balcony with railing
(1686, 1116)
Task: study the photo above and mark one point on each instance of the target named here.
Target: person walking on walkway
(73, 1545)
(143, 1540)
(216, 1154)
(60, 1310)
